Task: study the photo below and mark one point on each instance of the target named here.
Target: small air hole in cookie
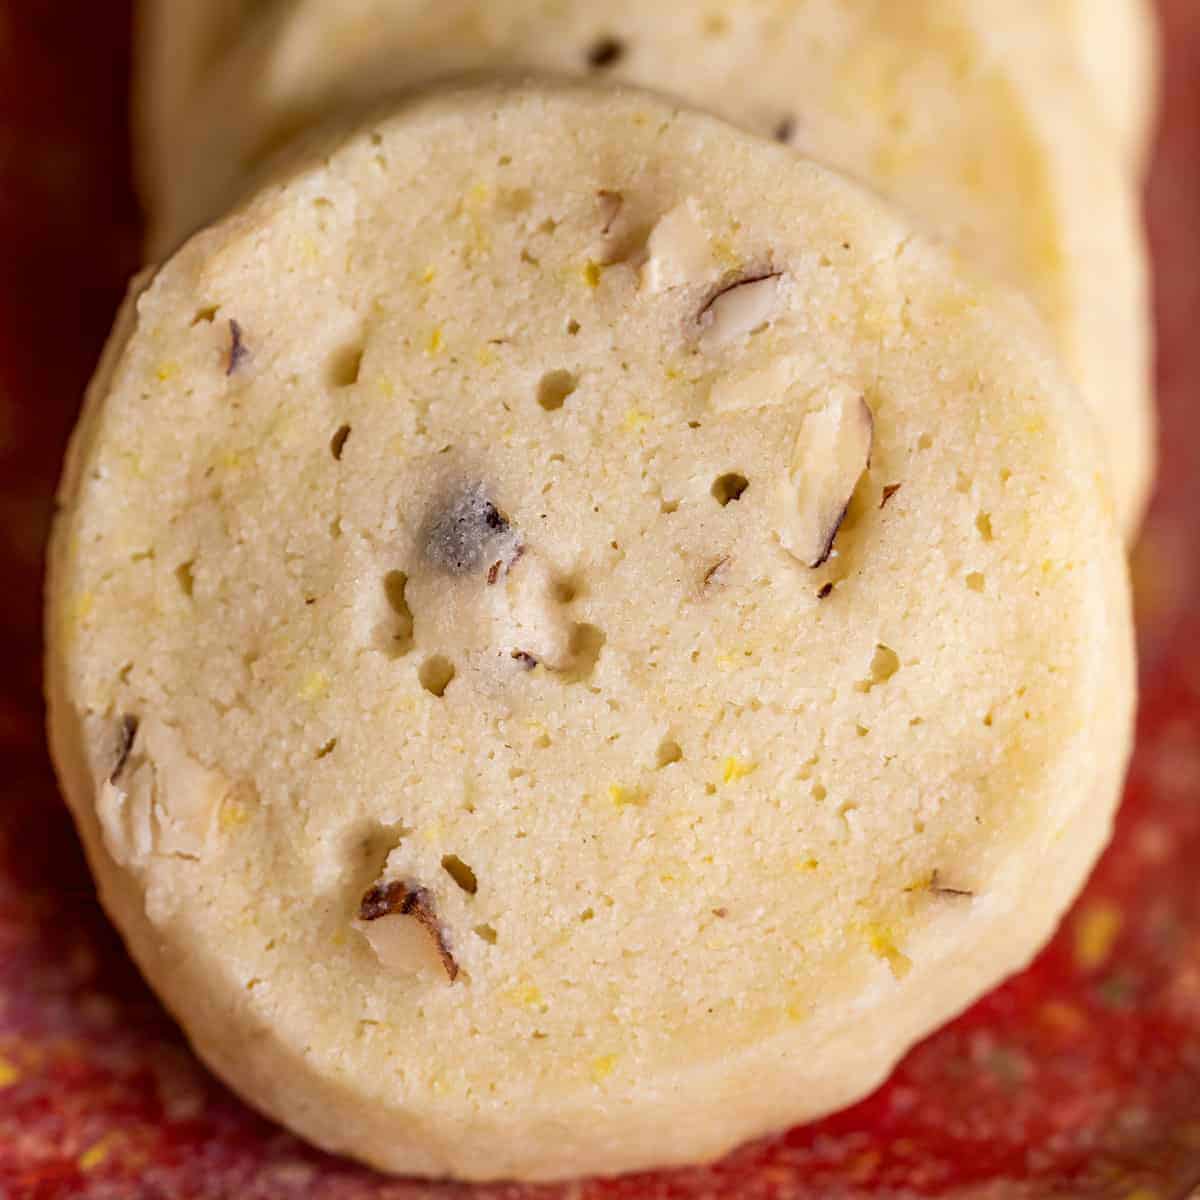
(460, 873)
(185, 578)
(555, 388)
(587, 641)
(884, 664)
(729, 488)
(436, 675)
(605, 52)
(399, 635)
(337, 443)
(345, 366)
(668, 752)
(573, 327)
(568, 589)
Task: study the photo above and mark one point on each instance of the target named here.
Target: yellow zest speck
(636, 420)
(1096, 932)
(726, 662)
(427, 276)
(884, 946)
(724, 253)
(386, 386)
(796, 1011)
(485, 355)
(9, 1074)
(233, 815)
(166, 371)
(438, 1086)
(479, 195)
(231, 460)
(435, 343)
(603, 1066)
(624, 797)
(591, 273)
(803, 865)
(85, 602)
(316, 684)
(97, 1154)
(734, 769)
(527, 995)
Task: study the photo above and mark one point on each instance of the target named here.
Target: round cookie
(945, 107)
(576, 637)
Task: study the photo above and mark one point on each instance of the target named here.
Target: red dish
(1079, 1079)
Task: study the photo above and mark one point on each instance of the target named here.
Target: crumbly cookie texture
(974, 120)
(576, 637)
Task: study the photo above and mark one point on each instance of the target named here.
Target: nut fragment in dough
(832, 451)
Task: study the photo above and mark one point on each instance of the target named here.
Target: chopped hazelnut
(237, 348)
(939, 889)
(832, 452)
(679, 249)
(391, 913)
(740, 309)
(127, 730)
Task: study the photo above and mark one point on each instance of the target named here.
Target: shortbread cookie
(939, 103)
(576, 637)
(1116, 46)
(178, 44)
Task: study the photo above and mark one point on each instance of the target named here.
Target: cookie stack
(589, 608)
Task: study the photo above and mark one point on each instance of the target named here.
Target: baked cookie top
(972, 118)
(576, 637)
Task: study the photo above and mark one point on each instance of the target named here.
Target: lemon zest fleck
(316, 684)
(527, 995)
(734, 769)
(603, 1066)
(883, 945)
(636, 420)
(624, 797)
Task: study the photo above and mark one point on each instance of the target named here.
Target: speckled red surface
(1080, 1079)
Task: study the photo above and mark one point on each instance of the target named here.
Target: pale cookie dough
(576, 638)
(1116, 46)
(941, 104)
(178, 45)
